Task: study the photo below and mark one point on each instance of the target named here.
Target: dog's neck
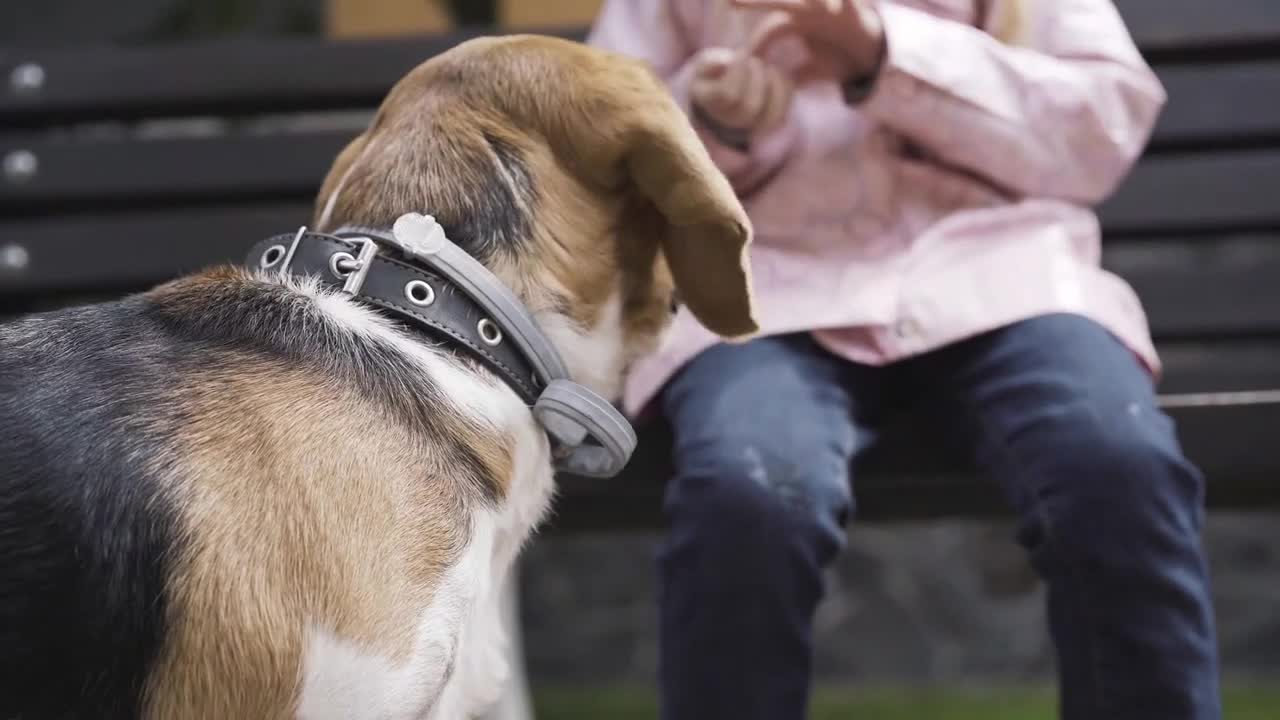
(416, 275)
(593, 356)
(440, 306)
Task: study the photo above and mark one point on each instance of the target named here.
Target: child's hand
(845, 38)
(738, 90)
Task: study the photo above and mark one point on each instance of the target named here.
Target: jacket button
(906, 327)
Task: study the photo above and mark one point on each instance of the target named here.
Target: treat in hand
(738, 90)
(844, 38)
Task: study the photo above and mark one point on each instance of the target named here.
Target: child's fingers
(774, 26)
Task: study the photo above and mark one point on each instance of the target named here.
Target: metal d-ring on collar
(592, 438)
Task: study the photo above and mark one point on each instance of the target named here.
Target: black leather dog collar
(419, 298)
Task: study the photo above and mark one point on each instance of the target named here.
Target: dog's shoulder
(313, 332)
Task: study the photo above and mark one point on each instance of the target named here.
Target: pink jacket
(954, 200)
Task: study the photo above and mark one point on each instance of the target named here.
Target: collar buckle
(354, 269)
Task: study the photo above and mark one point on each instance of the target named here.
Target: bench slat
(127, 251)
(1203, 287)
(1204, 106)
(85, 175)
(1162, 25)
(1202, 111)
(243, 75)
(288, 74)
(1194, 192)
(1190, 287)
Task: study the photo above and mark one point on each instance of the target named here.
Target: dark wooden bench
(123, 167)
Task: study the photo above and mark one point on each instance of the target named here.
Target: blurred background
(932, 618)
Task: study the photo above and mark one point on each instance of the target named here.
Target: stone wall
(937, 601)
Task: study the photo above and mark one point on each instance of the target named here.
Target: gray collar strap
(437, 287)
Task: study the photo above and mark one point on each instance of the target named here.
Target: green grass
(830, 703)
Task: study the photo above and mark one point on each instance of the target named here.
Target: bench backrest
(123, 167)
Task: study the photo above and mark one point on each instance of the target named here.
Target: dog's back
(84, 525)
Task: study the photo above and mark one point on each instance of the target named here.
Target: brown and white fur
(237, 496)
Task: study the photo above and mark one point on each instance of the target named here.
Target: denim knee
(1115, 493)
(737, 486)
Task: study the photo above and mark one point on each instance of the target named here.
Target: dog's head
(571, 174)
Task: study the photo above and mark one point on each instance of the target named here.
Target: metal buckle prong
(359, 268)
(293, 247)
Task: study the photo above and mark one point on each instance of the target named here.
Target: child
(919, 174)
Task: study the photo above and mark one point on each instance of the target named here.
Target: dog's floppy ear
(625, 124)
(331, 187)
(708, 230)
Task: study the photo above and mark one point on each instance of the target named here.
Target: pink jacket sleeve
(1063, 115)
(663, 33)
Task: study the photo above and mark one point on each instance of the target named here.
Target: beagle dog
(259, 492)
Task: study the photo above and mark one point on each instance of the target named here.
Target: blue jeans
(1054, 409)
